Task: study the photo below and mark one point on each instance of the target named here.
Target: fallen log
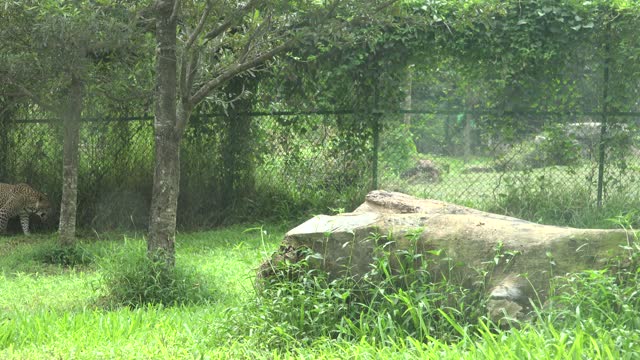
(513, 258)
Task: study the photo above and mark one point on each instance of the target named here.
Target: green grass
(52, 311)
(49, 311)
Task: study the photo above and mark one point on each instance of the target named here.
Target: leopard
(22, 200)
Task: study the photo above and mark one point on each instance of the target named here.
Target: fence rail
(473, 112)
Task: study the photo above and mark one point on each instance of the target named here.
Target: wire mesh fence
(465, 158)
(256, 166)
(241, 169)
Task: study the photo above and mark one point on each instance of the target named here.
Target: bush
(539, 199)
(55, 254)
(554, 147)
(398, 151)
(430, 135)
(132, 279)
(559, 148)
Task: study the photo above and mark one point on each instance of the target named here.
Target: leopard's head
(43, 207)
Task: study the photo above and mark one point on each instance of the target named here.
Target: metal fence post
(603, 125)
(375, 119)
(376, 149)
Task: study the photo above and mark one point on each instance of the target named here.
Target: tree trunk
(237, 152)
(408, 104)
(448, 141)
(166, 178)
(513, 258)
(4, 146)
(602, 145)
(70, 157)
(466, 135)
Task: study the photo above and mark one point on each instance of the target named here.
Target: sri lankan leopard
(21, 200)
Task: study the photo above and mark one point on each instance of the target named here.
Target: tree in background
(53, 53)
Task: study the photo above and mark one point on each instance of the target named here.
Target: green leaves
(48, 42)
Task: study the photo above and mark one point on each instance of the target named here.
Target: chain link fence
(255, 166)
(475, 159)
(242, 169)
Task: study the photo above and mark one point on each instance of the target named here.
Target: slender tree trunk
(166, 178)
(467, 137)
(408, 104)
(68, 204)
(237, 154)
(239, 171)
(467, 131)
(447, 135)
(4, 146)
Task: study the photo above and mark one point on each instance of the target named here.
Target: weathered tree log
(513, 258)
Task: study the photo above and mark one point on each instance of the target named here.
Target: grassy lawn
(50, 311)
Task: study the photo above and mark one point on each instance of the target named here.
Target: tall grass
(546, 200)
(131, 278)
(557, 195)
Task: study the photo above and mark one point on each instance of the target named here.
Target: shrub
(558, 148)
(430, 134)
(55, 254)
(551, 200)
(540, 199)
(398, 151)
(551, 148)
(132, 279)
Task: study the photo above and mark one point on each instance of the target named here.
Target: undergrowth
(590, 314)
(547, 201)
(69, 256)
(300, 304)
(131, 278)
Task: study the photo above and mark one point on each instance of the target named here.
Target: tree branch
(182, 81)
(231, 20)
(187, 66)
(35, 98)
(183, 113)
(245, 51)
(219, 30)
(174, 12)
(237, 69)
(7, 108)
(385, 5)
(192, 69)
(194, 35)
